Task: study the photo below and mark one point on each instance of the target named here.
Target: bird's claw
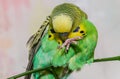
(70, 41)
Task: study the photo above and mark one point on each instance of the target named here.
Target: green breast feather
(85, 48)
(78, 55)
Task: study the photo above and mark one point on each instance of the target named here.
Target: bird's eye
(77, 29)
(81, 31)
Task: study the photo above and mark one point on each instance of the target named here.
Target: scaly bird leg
(69, 41)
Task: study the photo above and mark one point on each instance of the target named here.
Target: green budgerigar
(65, 42)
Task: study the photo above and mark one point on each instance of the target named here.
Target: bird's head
(62, 24)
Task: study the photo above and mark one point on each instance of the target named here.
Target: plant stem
(27, 72)
(39, 69)
(108, 59)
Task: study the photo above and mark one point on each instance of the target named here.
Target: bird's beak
(64, 35)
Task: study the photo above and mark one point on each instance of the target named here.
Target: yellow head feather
(62, 23)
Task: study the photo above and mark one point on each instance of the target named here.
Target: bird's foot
(69, 41)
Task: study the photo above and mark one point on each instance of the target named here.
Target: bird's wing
(34, 43)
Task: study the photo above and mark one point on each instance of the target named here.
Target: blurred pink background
(19, 19)
(14, 16)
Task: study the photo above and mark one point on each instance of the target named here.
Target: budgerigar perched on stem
(67, 44)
